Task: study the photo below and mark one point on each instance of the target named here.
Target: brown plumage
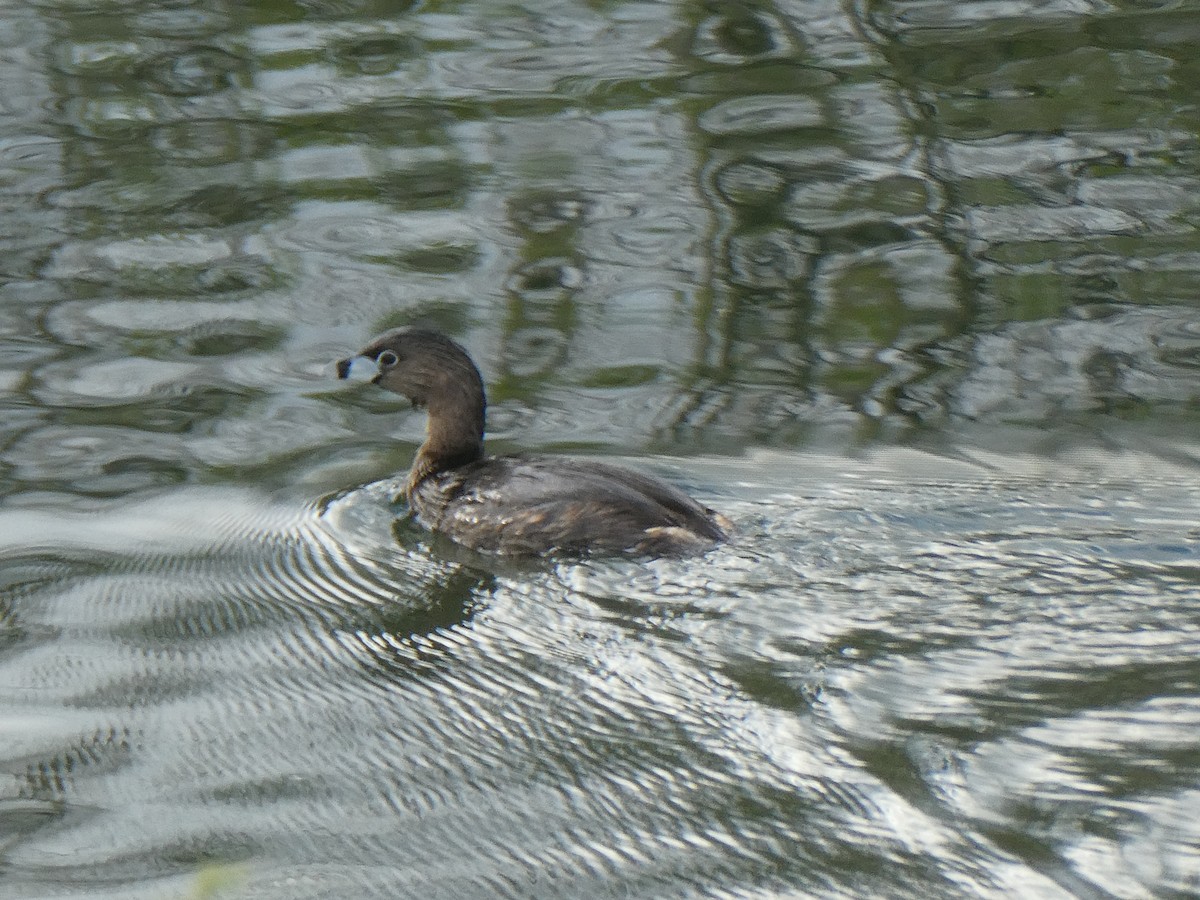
(521, 504)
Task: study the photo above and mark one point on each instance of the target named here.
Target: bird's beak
(358, 368)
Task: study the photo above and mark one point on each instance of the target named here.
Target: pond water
(907, 290)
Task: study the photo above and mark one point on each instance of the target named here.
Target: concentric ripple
(316, 696)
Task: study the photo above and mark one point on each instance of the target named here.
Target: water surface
(907, 290)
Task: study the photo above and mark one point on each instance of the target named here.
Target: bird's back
(534, 505)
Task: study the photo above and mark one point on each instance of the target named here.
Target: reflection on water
(928, 676)
(663, 229)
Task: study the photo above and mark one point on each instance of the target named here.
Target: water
(907, 290)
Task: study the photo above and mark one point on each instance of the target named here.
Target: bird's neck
(453, 438)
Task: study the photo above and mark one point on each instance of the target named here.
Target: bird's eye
(387, 359)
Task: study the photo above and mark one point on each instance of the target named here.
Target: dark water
(907, 290)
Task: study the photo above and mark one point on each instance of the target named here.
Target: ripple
(770, 258)
(827, 205)
(762, 115)
(26, 161)
(750, 183)
(533, 351)
(545, 213)
(289, 569)
(1032, 223)
(375, 54)
(80, 323)
(431, 184)
(105, 58)
(670, 236)
(176, 22)
(265, 434)
(224, 338)
(1077, 364)
(968, 675)
(118, 119)
(442, 260)
(173, 265)
(362, 231)
(210, 142)
(738, 37)
(691, 722)
(546, 281)
(198, 70)
(117, 381)
(294, 93)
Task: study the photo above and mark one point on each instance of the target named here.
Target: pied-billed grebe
(519, 504)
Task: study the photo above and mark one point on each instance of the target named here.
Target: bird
(522, 504)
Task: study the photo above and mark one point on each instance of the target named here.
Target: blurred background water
(906, 289)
